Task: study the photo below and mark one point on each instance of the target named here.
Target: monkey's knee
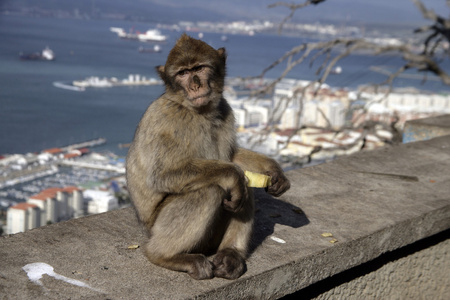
(229, 264)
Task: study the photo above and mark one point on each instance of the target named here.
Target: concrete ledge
(426, 128)
(371, 202)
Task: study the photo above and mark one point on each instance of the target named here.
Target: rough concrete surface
(371, 202)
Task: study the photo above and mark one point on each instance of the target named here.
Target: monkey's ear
(222, 53)
(162, 73)
(160, 69)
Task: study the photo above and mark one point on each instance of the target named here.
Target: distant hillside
(387, 12)
(143, 10)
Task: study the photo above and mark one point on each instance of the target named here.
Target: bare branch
(431, 15)
(296, 6)
(437, 33)
(293, 8)
(421, 62)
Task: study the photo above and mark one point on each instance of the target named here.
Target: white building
(49, 206)
(249, 116)
(334, 112)
(294, 107)
(290, 118)
(58, 204)
(285, 95)
(100, 201)
(21, 217)
(250, 112)
(415, 102)
(240, 115)
(401, 106)
(314, 113)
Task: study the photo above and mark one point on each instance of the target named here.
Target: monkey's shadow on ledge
(271, 211)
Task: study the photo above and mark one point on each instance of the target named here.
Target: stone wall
(377, 205)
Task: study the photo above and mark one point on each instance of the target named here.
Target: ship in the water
(46, 54)
(70, 87)
(155, 49)
(151, 35)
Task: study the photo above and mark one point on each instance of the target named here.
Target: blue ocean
(35, 115)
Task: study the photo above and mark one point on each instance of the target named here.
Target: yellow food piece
(326, 234)
(257, 180)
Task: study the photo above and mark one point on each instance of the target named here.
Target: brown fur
(185, 171)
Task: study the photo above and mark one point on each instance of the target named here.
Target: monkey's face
(194, 71)
(195, 84)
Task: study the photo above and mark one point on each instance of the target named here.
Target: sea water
(35, 115)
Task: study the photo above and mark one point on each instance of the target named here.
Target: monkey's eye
(183, 73)
(198, 68)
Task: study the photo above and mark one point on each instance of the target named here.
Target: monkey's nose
(194, 87)
(197, 84)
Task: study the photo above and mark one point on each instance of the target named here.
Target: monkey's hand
(236, 192)
(280, 183)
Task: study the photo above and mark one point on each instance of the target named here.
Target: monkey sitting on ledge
(185, 171)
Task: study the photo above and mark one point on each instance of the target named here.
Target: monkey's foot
(202, 268)
(228, 264)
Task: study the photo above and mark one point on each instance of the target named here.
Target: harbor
(19, 169)
(98, 82)
(90, 143)
(73, 167)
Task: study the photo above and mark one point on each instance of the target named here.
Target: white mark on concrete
(35, 271)
(278, 240)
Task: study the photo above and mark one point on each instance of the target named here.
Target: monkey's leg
(229, 262)
(184, 224)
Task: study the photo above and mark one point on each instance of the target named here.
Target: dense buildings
(67, 184)
(304, 122)
(58, 204)
(49, 206)
(23, 216)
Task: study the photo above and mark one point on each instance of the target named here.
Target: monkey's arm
(197, 174)
(259, 163)
(194, 174)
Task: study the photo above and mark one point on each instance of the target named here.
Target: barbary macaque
(185, 171)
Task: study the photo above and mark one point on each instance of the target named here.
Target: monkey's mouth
(201, 100)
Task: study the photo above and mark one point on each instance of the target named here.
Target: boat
(155, 49)
(121, 33)
(337, 70)
(46, 54)
(151, 35)
(65, 86)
